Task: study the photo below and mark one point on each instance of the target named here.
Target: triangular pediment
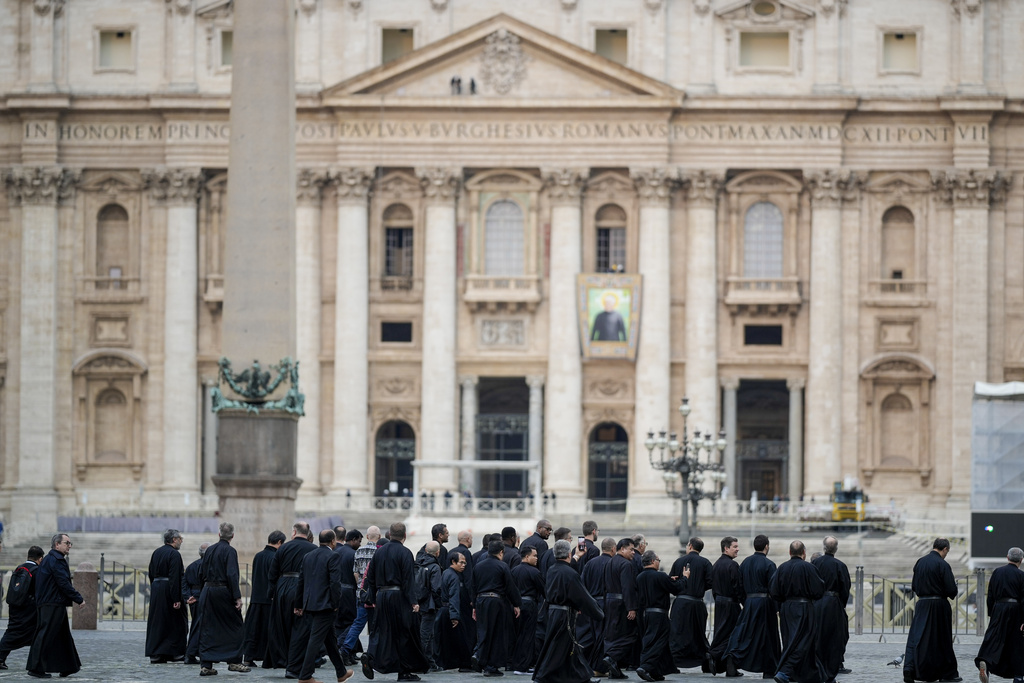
(748, 9)
(507, 61)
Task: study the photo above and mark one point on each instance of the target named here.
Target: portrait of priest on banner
(609, 315)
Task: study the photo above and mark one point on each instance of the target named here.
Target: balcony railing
(493, 292)
(762, 449)
(763, 295)
(916, 288)
(109, 288)
(396, 283)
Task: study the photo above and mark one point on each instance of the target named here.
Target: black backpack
(19, 591)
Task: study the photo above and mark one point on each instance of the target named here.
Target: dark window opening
(392, 333)
(762, 335)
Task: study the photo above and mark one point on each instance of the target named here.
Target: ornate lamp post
(687, 466)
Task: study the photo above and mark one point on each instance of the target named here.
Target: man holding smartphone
(589, 537)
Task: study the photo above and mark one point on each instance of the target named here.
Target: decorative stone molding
(184, 7)
(609, 389)
(352, 185)
(439, 5)
(829, 6)
(566, 185)
(569, 5)
(307, 7)
(701, 6)
(468, 381)
(309, 184)
(653, 5)
(830, 187)
(653, 185)
(971, 7)
(355, 5)
(702, 186)
(974, 188)
(728, 383)
(796, 383)
(43, 7)
(41, 185)
(173, 185)
(439, 184)
(503, 63)
(535, 381)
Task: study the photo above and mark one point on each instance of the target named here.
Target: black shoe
(408, 677)
(475, 663)
(642, 673)
(493, 672)
(320, 662)
(367, 669)
(467, 670)
(39, 674)
(844, 670)
(908, 678)
(955, 679)
(712, 669)
(434, 669)
(290, 676)
(613, 669)
(659, 677)
(191, 660)
(157, 660)
(3, 665)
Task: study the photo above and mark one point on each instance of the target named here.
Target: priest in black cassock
(531, 593)
(167, 626)
(21, 623)
(53, 647)
(257, 617)
(689, 642)
(190, 590)
(454, 617)
(754, 644)
(390, 590)
(830, 610)
(220, 602)
(621, 605)
(590, 632)
(1002, 651)
(727, 587)
(654, 588)
(795, 586)
(282, 582)
(561, 660)
(497, 598)
(929, 655)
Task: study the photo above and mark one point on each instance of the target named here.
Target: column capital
(730, 383)
(178, 186)
(439, 184)
(796, 383)
(41, 185)
(468, 381)
(830, 187)
(309, 184)
(43, 7)
(535, 381)
(702, 186)
(971, 188)
(353, 184)
(654, 185)
(566, 186)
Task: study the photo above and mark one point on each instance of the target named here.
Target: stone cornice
(970, 188)
(654, 185)
(353, 185)
(566, 185)
(173, 186)
(702, 186)
(439, 184)
(309, 184)
(41, 185)
(829, 188)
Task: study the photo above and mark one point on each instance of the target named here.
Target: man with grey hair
(53, 648)
(830, 611)
(560, 659)
(1001, 652)
(190, 590)
(220, 602)
(167, 626)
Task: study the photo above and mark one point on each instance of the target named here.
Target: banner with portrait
(608, 306)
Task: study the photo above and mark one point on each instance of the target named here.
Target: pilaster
(729, 423)
(796, 437)
(42, 68)
(181, 36)
(469, 411)
(536, 435)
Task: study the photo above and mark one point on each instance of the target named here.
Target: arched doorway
(608, 465)
(394, 451)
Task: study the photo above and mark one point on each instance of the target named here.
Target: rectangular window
(398, 252)
(899, 52)
(762, 335)
(761, 49)
(395, 42)
(612, 43)
(115, 50)
(396, 333)
(227, 42)
(611, 250)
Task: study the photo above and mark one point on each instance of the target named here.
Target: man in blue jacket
(53, 648)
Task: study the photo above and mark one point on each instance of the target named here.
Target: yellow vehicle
(848, 505)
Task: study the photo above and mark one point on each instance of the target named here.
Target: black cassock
(389, 587)
(561, 659)
(929, 655)
(167, 628)
(1003, 648)
(531, 592)
(453, 642)
(53, 647)
(191, 588)
(727, 587)
(830, 614)
(257, 617)
(496, 595)
(620, 598)
(221, 630)
(654, 588)
(754, 644)
(283, 579)
(795, 586)
(689, 642)
(590, 632)
(21, 625)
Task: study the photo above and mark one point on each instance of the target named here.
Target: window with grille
(898, 244)
(762, 241)
(398, 252)
(611, 239)
(112, 246)
(503, 241)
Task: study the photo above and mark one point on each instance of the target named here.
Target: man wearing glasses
(53, 648)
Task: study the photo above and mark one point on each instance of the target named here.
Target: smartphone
(581, 542)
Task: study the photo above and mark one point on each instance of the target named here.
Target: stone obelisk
(258, 428)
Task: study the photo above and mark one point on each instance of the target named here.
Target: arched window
(762, 241)
(398, 245)
(898, 244)
(395, 450)
(113, 247)
(610, 222)
(608, 452)
(503, 241)
(111, 429)
(898, 428)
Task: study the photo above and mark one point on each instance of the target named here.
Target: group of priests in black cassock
(562, 614)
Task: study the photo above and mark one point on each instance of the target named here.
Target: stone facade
(824, 199)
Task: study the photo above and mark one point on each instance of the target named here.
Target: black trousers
(320, 627)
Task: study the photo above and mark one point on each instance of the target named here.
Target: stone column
(34, 500)
(826, 47)
(653, 407)
(702, 49)
(730, 385)
(307, 319)
(181, 34)
(439, 404)
(177, 190)
(796, 438)
(536, 439)
(702, 385)
(469, 411)
(352, 447)
(41, 45)
(209, 437)
(825, 357)
(970, 15)
(308, 23)
(563, 443)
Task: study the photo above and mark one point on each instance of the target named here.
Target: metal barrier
(886, 605)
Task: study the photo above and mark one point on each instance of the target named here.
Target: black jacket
(319, 588)
(53, 581)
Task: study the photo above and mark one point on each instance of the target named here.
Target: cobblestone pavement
(115, 655)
